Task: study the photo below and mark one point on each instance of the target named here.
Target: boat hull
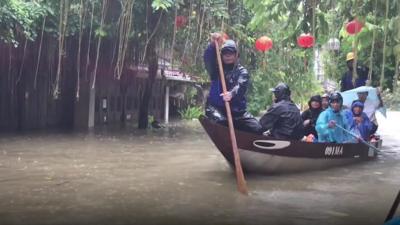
(262, 154)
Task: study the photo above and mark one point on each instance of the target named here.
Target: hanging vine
(103, 15)
(89, 43)
(23, 62)
(199, 43)
(151, 36)
(174, 35)
(64, 9)
(382, 79)
(371, 57)
(125, 28)
(355, 48)
(10, 76)
(188, 35)
(78, 60)
(39, 53)
(116, 44)
(396, 50)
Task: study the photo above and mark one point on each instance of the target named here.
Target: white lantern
(333, 44)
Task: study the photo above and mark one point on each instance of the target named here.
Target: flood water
(177, 176)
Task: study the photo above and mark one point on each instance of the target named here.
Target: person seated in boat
(325, 101)
(310, 115)
(283, 119)
(371, 108)
(359, 121)
(334, 115)
(237, 81)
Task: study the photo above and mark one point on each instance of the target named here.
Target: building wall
(24, 106)
(110, 101)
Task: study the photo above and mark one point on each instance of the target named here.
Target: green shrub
(191, 112)
(302, 84)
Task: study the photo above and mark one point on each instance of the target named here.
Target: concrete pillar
(92, 99)
(166, 111)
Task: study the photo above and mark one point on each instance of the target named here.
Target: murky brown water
(177, 176)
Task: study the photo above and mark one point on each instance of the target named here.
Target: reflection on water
(176, 176)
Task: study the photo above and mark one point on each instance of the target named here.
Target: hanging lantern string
(353, 28)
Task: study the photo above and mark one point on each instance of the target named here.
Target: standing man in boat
(283, 119)
(347, 78)
(327, 120)
(237, 81)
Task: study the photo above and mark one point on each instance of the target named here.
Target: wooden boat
(262, 154)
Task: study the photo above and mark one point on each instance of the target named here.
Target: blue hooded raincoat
(333, 135)
(365, 127)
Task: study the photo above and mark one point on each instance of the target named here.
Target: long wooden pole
(361, 140)
(241, 182)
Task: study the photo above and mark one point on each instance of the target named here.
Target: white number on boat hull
(334, 150)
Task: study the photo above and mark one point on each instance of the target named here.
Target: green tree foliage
(126, 28)
(284, 20)
(162, 4)
(20, 18)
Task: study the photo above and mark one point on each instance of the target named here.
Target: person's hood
(357, 103)
(281, 92)
(315, 98)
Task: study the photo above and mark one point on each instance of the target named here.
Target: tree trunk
(154, 19)
(396, 75)
(152, 61)
(371, 57)
(382, 78)
(20, 104)
(125, 82)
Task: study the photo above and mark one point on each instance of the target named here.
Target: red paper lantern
(354, 26)
(180, 21)
(305, 40)
(263, 44)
